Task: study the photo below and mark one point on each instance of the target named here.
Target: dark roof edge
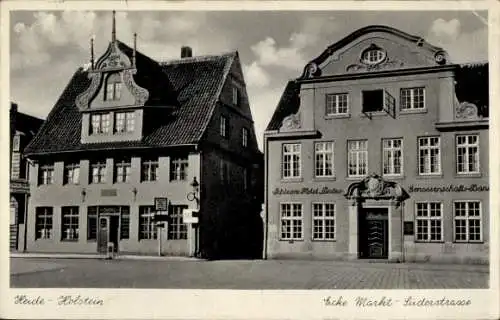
(198, 58)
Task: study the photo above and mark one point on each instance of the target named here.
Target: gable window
(468, 153)
(244, 137)
(177, 229)
(122, 170)
(291, 221)
(72, 173)
(429, 155)
(412, 98)
(124, 122)
(373, 55)
(98, 171)
(100, 123)
(323, 155)
(357, 158)
(69, 223)
(149, 169)
(235, 96)
(224, 130)
(429, 225)
(46, 174)
(290, 160)
(147, 224)
(337, 103)
(43, 223)
(178, 168)
(468, 221)
(113, 87)
(392, 156)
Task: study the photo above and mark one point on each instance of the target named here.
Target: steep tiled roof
(288, 104)
(195, 83)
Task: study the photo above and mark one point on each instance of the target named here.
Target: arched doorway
(376, 219)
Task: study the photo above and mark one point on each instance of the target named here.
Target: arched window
(113, 87)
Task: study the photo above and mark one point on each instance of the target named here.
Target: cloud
(255, 76)
(441, 28)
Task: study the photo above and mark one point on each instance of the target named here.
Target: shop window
(122, 170)
(179, 168)
(467, 221)
(72, 173)
(43, 223)
(467, 154)
(147, 224)
(290, 160)
(429, 153)
(149, 169)
(291, 221)
(98, 171)
(323, 221)
(46, 174)
(69, 224)
(337, 104)
(100, 123)
(428, 221)
(412, 98)
(392, 156)
(177, 229)
(324, 159)
(357, 158)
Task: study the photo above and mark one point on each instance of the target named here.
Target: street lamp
(193, 196)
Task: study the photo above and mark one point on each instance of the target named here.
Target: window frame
(330, 106)
(122, 164)
(48, 223)
(69, 173)
(68, 212)
(104, 125)
(224, 127)
(357, 152)
(127, 123)
(429, 147)
(47, 179)
(294, 165)
(176, 228)
(429, 218)
(467, 219)
(101, 165)
(467, 147)
(147, 214)
(244, 137)
(392, 150)
(412, 96)
(323, 218)
(179, 168)
(113, 87)
(291, 218)
(324, 153)
(149, 169)
(235, 95)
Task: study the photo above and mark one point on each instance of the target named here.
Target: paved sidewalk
(97, 256)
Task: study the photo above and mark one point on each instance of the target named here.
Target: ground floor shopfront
(379, 219)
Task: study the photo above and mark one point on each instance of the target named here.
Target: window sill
(468, 175)
(429, 176)
(149, 181)
(337, 116)
(324, 240)
(412, 111)
(287, 180)
(468, 242)
(355, 178)
(322, 179)
(92, 240)
(374, 114)
(44, 239)
(429, 242)
(394, 177)
(292, 240)
(71, 184)
(70, 240)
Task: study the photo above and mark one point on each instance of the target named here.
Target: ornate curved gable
(113, 61)
(375, 48)
(375, 187)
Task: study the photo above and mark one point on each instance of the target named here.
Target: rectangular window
(323, 221)
(147, 225)
(113, 91)
(429, 153)
(236, 96)
(373, 100)
(177, 229)
(16, 142)
(357, 158)
(290, 160)
(468, 221)
(125, 222)
(98, 172)
(100, 123)
(468, 153)
(72, 173)
(149, 169)
(46, 174)
(245, 179)
(337, 103)
(244, 137)
(323, 155)
(291, 221)
(124, 122)
(428, 224)
(412, 98)
(69, 224)
(224, 171)
(122, 170)
(392, 156)
(43, 223)
(92, 222)
(224, 130)
(179, 168)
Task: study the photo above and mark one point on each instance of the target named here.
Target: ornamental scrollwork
(141, 95)
(466, 111)
(387, 64)
(83, 100)
(291, 122)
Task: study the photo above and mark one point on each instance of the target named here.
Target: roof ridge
(197, 58)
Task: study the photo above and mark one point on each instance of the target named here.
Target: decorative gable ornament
(292, 122)
(466, 111)
(374, 58)
(374, 187)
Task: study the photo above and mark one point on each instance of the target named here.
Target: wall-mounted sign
(108, 193)
(449, 188)
(408, 228)
(324, 190)
(161, 204)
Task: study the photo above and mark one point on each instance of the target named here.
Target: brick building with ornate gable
(379, 150)
(130, 129)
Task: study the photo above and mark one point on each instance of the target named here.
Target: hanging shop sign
(324, 190)
(449, 188)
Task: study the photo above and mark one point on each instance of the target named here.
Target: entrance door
(108, 232)
(373, 233)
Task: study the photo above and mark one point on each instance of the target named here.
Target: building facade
(379, 150)
(128, 130)
(22, 129)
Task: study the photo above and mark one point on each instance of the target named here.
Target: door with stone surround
(374, 233)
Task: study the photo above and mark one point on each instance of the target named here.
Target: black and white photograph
(346, 154)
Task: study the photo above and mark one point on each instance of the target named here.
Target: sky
(46, 47)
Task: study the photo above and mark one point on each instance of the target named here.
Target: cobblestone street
(241, 274)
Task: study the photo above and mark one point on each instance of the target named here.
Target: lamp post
(194, 196)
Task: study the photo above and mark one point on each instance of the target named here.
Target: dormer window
(373, 55)
(113, 87)
(100, 123)
(124, 122)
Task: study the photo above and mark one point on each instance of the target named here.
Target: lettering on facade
(108, 193)
(449, 188)
(324, 190)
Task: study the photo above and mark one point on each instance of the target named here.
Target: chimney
(186, 52)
